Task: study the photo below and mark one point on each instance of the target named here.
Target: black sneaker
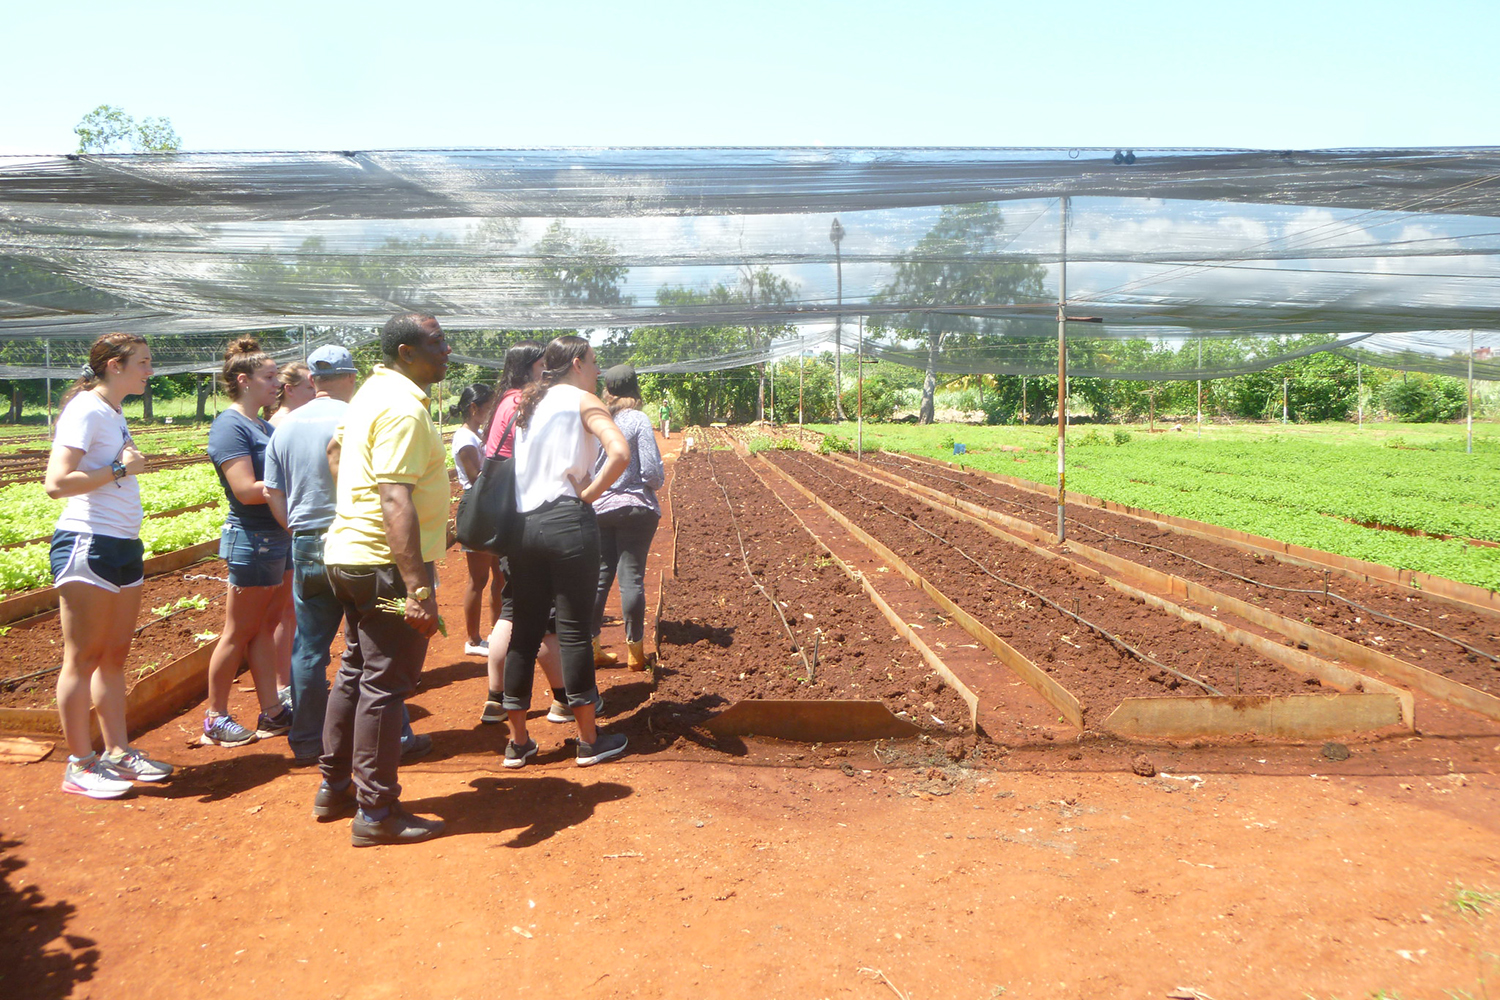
(329, 805)
(420, 745)
(516, 754)
(605, 747)
(398, 827)
(267, 726)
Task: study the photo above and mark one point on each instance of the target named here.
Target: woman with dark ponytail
(256, 547)
(474, 407)
(561, 426)
(97, 564)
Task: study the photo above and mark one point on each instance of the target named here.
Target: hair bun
(242, 345)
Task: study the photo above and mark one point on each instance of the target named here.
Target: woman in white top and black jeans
(98, 562)
(561, 426)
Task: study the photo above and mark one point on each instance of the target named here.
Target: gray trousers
(366, 705)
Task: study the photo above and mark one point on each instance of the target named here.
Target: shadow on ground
(39, 959)
(531, 809)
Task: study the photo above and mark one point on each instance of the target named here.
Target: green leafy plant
(833, 443)
(196, 601)
(397, 606)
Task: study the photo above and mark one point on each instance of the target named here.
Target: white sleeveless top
(553, 445)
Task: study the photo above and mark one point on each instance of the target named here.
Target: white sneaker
(480, 648)
(95, 778)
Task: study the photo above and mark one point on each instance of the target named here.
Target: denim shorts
(101, 561)
(255, 558)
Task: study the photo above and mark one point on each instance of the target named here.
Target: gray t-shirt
(297, 462)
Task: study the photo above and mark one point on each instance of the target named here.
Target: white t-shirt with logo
(92, 426)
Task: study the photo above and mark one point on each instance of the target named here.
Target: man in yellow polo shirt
(389, 527)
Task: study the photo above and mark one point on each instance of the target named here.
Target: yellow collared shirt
(387, 437)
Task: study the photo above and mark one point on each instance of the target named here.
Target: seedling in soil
(197, 603)
(1473, 902)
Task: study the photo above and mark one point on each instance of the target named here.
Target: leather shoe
(420, 745)
(330, 804)
(398, 827)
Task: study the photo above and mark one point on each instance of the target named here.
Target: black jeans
(366, 706)
(625, 535)
(557, 565)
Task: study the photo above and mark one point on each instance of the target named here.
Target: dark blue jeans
(319, 615)
(625, 535)
(557, 566)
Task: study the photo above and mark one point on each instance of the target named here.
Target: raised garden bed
(190, 616)
(1100, 644)
(1449, 649)
(720, 641)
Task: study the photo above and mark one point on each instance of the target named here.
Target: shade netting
(1179, 263)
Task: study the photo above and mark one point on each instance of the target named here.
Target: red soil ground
(1047, 869)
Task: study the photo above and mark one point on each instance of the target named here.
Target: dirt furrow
(722, 642)
(1228, 570)
(1098, 672)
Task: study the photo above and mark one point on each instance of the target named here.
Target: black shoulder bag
(487, 519)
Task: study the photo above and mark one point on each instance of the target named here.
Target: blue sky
(315, 75)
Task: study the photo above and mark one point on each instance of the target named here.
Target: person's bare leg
(244, 614)
(549, 658)
(264, 651)
(479, 565)
(517, 717)
(108, 683)
(83, 607)
(499, 646)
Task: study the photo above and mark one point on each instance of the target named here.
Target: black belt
(309, 531)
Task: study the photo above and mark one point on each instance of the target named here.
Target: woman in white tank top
(560, 428)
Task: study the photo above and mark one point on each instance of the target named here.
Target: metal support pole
(1359, 376)
(1284, 383)
(1200, 385)
(836, 234)
(801, 364)
(304, 346)
(1470, 448)
(1062, 372)
(47, 348)
(859, 448)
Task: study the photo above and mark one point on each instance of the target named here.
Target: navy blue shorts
(256, 558)
(102, 561)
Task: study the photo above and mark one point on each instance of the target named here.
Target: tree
(108, 129)
(938, 280)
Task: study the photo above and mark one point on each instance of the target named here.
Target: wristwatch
(118, 468)
(421, 593)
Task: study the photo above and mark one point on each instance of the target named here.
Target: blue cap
(331, 359)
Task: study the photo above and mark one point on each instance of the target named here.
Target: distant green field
(1312, 485)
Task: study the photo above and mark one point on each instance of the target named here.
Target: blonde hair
(292, 373)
